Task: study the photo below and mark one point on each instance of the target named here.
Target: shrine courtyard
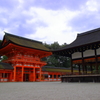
(49, 91)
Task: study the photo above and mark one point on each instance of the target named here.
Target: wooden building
(6, 72)
(51, 73)
(24, 55)
(85, 53)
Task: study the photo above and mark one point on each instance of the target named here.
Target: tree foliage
(0, 41)
(2, 58)
(56, 60)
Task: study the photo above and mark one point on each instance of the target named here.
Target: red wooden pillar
(40, 74)
(10, 77)
(34, 74)
(22, 73)
(14, 73)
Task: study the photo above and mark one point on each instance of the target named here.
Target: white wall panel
(98, 51)
(76, 55)
(88, 53)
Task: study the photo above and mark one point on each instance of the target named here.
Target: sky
(49, 21)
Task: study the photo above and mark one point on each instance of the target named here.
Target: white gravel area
(49, 91)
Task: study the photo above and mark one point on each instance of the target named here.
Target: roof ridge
(22, 37)
(89, 32)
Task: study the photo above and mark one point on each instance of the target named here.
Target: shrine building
(24, 55)
(84, 52)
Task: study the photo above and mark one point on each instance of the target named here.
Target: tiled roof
(21, 41)
(5, 66)
(59, 69)
(85, 38)
(55, 69)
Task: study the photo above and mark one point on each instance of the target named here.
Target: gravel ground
(49, 91)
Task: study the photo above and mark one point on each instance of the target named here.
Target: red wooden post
(22, 73)
(14, 73)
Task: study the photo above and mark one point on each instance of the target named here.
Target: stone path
(49, 91)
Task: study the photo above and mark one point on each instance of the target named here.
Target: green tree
(56, 60)
(0, 41)
(3, 58)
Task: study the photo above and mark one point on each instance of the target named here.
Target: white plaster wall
(76, 55)
(88, 53)
(98, 51)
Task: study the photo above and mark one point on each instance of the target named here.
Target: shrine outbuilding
(84, 52)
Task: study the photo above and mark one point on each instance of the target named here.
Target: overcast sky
(49, 20)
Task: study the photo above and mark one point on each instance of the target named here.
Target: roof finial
(5, 32)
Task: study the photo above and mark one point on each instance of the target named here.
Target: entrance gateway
(24, 55)
(26, 77)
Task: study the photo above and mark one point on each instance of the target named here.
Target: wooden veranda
(81, 78)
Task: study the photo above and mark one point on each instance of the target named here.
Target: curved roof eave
(82, 39)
